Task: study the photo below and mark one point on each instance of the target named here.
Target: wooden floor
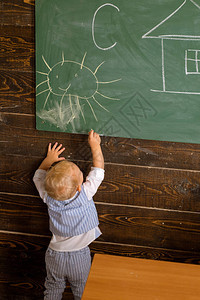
(148, 204)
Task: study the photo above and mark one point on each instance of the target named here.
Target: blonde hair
(62, 180)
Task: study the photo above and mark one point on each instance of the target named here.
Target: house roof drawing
(179, 24)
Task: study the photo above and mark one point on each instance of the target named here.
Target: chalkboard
(126, 68)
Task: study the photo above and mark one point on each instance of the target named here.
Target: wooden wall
(148, 204)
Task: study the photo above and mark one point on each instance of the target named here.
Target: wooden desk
(123, 278)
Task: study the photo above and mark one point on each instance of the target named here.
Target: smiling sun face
(76, 85)
(73, 79)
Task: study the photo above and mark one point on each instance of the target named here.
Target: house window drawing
(192, 61)
(180, 49)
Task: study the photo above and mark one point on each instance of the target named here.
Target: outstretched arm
(94, 141)
(52, 156)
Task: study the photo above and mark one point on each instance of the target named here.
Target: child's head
(63, 180)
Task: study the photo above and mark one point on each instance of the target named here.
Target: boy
(72, 216)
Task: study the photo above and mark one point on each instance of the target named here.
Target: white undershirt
(74, 243)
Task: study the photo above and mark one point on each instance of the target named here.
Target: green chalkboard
(126, 68)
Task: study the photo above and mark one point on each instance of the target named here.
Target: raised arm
(52, 156)
(94, 141)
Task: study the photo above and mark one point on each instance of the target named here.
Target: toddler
(73, 217)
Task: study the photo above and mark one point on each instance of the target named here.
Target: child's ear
(79, 188)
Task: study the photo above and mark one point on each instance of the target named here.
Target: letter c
(106, 4)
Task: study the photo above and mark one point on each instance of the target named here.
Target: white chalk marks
(76, 86)
(93, 26)
(188, 60)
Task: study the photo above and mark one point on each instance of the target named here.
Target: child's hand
(54, 152)
(94, 139)
(52, 156)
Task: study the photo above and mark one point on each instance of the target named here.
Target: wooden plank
(151, 187)
(120, 224)
(31, 2)
(24, 214)
(17, 53)
(24, 33)
(16, 93)
(150, 227)
(17, 96)
(16, 13)
(116, 278)
(127, 185)
(146, 252)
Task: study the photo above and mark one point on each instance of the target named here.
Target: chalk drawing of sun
(75, 85)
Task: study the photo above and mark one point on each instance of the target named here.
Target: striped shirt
(90, 186)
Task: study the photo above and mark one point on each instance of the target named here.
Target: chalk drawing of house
(180, 49)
